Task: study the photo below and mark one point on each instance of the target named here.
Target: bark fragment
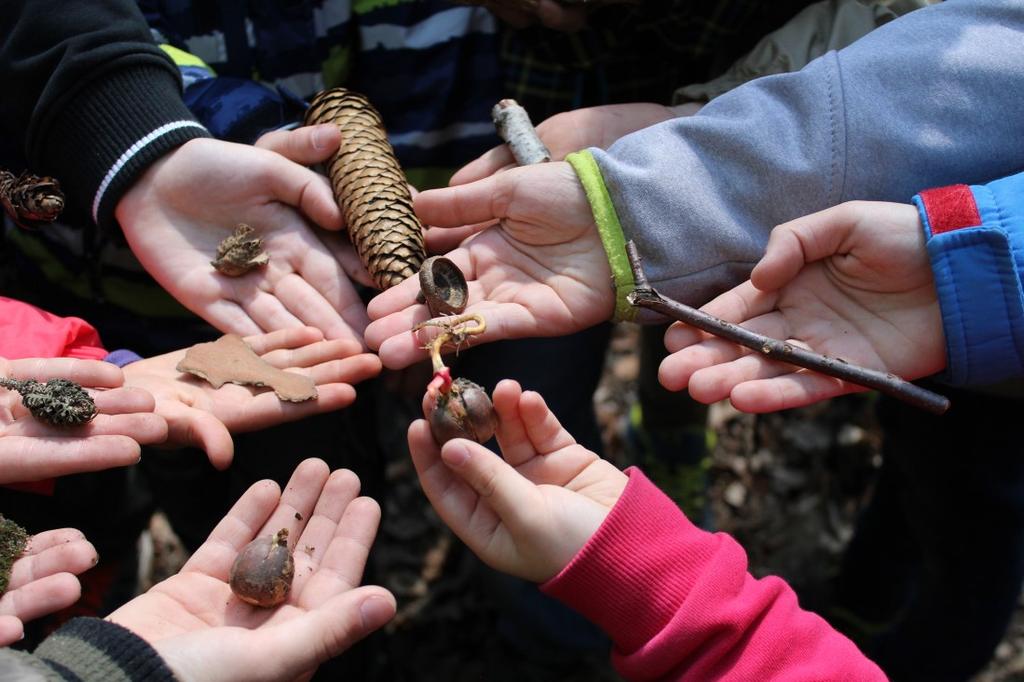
(230, 360)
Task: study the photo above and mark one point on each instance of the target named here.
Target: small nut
(464, 411)
(443, 286)
(263, 571)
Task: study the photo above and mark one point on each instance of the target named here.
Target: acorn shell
(263, 571)
(443, 286)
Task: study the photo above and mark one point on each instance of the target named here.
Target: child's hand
(31, 450)
(203, 632)
(43, 579)
(853, 282)
(198, 414)
(530, 513)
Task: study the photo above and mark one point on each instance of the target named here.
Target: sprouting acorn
(263, 571)
(463, 411)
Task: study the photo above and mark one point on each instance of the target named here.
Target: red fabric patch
(44, 487)
(950, 208)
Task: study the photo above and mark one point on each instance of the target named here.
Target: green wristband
(608, 226)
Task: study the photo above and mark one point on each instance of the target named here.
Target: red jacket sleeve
(28, 332)
(679, 603)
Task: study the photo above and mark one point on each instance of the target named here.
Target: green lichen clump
(13, 540)
(58, 401)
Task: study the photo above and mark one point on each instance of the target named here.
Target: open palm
(202, 631)
(541, 271)
(852, 282)
(187, 203)
(530, 513)
(31, 450)
(200, 415)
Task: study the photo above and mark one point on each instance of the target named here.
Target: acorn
(463, 411)
(263, 571)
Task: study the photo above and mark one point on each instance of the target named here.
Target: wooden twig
(514, 126)
(644, 296)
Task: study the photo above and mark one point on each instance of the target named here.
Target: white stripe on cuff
(130, 153)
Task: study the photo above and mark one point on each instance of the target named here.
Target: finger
(453, 499)
(335, 626)
(344, 554)
(490, 162)
(11, 630)
(226, 315)
(35, 459)
(712, 384)
(123, 400)
(297, 186)
(262, 307)
(193, 427)
(298, 499)
(312, 354)
(72, 556)
(476, 202)
(680, 335)
(312, 307)
(40, 597)
(307, 145)
(283, 339)
(341, 488)
(513, 440)
(341, 248)
(795, 389)
(801, 241)
(497, 484)
(51, 538)
(401, 297)
(560, 18)
(351, 370)
(542, 426)
(240, 526)
(143, 428)
(90, 373)
(445, 239)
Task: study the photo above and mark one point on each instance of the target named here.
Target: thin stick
(644, 296)
(514, 126)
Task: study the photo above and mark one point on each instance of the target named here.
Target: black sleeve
(92, 97)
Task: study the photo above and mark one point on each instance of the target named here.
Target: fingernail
(375, 612)
(455, 453)
(319, 133)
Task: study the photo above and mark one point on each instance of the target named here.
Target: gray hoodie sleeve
(933, 98)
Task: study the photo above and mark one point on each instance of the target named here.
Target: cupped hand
(175, 216)
(199, 415)
(203, 632)
(530, 513)
(853, 282)
(541, 271)
(43, 579)
(31, 450)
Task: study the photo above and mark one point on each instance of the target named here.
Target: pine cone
(30, 200)
(370, 188)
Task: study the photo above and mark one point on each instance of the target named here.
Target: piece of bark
(240, 252)
(230, 360)
(514, 126)
(371, 188)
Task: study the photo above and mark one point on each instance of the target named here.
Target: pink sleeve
(29, 332)
(679, 604)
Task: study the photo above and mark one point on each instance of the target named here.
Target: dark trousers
(938, 556)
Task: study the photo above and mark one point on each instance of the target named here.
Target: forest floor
(788, 486)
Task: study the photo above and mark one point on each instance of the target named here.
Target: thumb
(297, 186)
(198, 428)
(498, 484)
(306, 145)
(798, 242)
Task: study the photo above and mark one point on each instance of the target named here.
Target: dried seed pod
(370, 188)
(240, 252)
(58, 401)
(463, 411)
(443, 286)
(263, 571)
(30, 200)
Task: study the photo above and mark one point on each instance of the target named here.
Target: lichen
(13, 540)
(240, 253)
(59, 402)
